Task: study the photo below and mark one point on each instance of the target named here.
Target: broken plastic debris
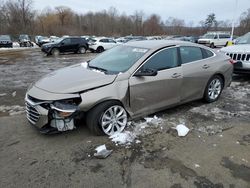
(102, 152)
(182, 130)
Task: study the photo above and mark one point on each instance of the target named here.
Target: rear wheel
(82, 50)
(213, 89)
(55, 52)
(107, 118)
(100, 49)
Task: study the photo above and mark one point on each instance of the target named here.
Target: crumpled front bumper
(35, 113)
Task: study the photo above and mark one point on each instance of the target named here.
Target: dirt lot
(215, 154)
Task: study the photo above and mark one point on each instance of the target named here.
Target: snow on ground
(12, 110)
(135, 130)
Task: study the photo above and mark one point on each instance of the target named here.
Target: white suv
(214, 39)
(101, 44)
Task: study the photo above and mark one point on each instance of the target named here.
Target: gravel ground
(215, 153)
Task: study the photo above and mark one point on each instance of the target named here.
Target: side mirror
(62, 43)
(146, 72)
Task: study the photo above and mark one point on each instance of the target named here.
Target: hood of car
(74, 79)
(241, 48)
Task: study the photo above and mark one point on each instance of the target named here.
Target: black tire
(212, 45)
(82, 50)
(55, 52)
(207, 96)
(100, 49)
(94, 116)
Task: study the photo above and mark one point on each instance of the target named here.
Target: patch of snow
(123, 138)
(3, 94)
(182, 130)
(14, 94)
(197, 166)
(12, 110)
(84, 65)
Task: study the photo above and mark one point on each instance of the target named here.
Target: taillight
(232, 61)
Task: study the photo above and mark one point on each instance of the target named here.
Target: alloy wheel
(214, 89)
(114, 120)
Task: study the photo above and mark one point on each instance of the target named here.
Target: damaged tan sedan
(126, 82)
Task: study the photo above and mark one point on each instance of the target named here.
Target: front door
(149, 94)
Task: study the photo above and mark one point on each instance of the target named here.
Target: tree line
(19, 16)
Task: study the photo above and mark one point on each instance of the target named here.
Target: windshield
(4, 37)
(208, 36)
(57, 40)
(117, 59)
(245, 39)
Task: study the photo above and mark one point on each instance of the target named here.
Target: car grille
(32, 114)
(239, 57)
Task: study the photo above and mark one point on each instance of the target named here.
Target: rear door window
(165, 59)
(190, 54)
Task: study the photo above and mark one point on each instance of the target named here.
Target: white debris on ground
(134, 130)
(14, 94)
(123, 138)
(12, 110)
(3, 94)
(182, 130)
(102, 152)
(197, 166)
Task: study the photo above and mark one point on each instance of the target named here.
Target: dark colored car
(5, 41)
(42, 40)
(68, 44)
(24, 41)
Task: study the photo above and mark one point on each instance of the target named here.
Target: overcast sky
(189, 10)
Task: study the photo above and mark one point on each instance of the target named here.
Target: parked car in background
(240, 54)
(24, 41)
(100, 44)
(135, 38)
(121, 40)
(126, 82)
(37, 38)
(53, 38)
(5, 41)
(43, 40)
(68, 44)
(214, 39)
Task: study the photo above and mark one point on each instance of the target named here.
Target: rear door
(66, 45)
(196, 72)
(152, 93)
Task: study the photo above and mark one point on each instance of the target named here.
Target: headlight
(64, 109)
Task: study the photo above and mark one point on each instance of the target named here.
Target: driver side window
(66, 41)
(165, 59)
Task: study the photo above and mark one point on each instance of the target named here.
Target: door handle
(205, 66)
(176, 75)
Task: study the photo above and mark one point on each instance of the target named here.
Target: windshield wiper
(98, 68)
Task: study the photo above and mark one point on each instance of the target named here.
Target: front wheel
(212, 45)
(55, 52)
(107, 118)
(213, 89)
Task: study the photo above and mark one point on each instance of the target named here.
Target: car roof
(154, 44)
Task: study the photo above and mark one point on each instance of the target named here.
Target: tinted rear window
(190, 54)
